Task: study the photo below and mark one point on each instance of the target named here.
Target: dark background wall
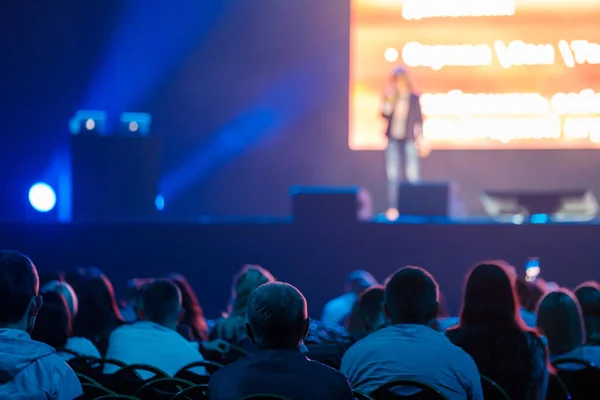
(250, 97)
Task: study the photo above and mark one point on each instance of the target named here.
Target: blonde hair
(245, 282)
(67, 292)
(559, 318)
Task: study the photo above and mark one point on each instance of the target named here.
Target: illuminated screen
(492, 74)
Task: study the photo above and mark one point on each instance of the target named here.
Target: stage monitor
(543, 206)
(503, 74)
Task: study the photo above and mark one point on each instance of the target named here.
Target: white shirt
(338, 310)
(80, 345)
(417, 352)
(145, 342)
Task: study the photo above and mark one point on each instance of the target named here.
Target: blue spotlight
(42, 197)
(159, 202)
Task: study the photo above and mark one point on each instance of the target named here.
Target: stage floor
(315, 257)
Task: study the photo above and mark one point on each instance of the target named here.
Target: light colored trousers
(401, 164)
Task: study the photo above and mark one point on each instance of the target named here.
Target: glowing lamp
(42, 197)
(136, 123)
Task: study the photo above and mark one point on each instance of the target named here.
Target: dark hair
(98, 311)
(490, 297)
(559, 319)
(366, 309)
(492, 332)
(194, 315)
(277, 314)
(53, 324)
(588, 294)
(411, 296)
(161, 301)
(19, 283)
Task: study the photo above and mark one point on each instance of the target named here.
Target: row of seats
(576, 382)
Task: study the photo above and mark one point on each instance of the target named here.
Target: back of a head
(490, 297)
(53, 324)
(98, 309)
(588, 295)
(360, 280)
(64, 289)
(194, 315)
(18, 285)
(559, 319)
(277, 315)
(244, 283)
(411, 296)
(367, 309)
(160, 302)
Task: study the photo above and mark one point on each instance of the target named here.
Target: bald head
(277, 316)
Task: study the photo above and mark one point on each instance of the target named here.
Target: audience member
(98, 313)
(277, 323)
(338, 310)
(153, 339)
(561, 321)
(53, 326)
(367, 317)
(232, 327)
(492, 332)
(66, 291)
(193, 318)
(588, 295)
(128, 302)
(443, 322)
(410, 349)
(529, 295)
(28, 369)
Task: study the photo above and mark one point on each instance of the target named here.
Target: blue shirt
(409, 351)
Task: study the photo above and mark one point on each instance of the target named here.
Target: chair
(557, 390)
(92, 365)
(116, 396)
(580, 376)
(185, 373)
(197, 392)
(132, 372)
(492, 391)
(162, 388)
(264, 397)
(426, 392)
(85, 379)
(91, 391)
(361, 396)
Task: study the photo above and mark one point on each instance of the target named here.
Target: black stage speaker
(315, 204)
(429, 199)
(115, 178)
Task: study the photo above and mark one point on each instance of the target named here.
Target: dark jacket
(286, 373)
(413, 117)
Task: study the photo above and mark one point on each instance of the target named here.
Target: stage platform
(315, 257)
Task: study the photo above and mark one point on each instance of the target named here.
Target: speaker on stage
(430, 199)
(560, 205)
(315, 204)
(115, 178)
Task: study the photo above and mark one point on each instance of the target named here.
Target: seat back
(264, 396)
(91, 391)
(580, 376)
(361, 396)
(492, 391)
(197, 392)
(557, 390)
(423, 391)
(162, 388)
